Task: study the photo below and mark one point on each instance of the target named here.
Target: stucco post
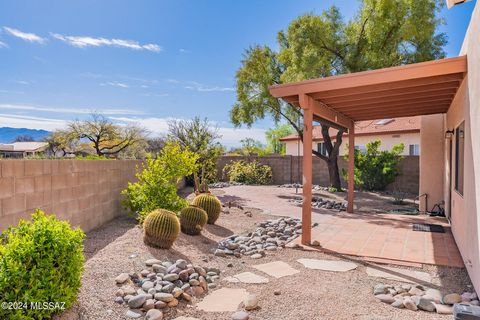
(351, 167)
(307, 169)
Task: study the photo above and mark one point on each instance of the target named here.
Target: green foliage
(192, 220)
(274, 135)
(40, 261)
(157, 182)
(200, 137)
(161, 228)
(375, 169)
(248, 172)
(383, 33)
(210, 204)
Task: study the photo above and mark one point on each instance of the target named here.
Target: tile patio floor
(387, 236)
(365, 234)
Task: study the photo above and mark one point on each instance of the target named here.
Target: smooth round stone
(137, 301)
(183, 275)
(240, 315)
(127, 297)
(256, 256)
(149, 304)
(443, 309)
(409, 304)
(194, 275)
(151, 262)
(186, 296)
(170, 277)
(154, 314)
(119, 300)
(177, 292)
(158, 268)
(165, 297)
(398, 303)
(182, 264)
(201, 271)
(194, 282)
(119, 293)
(433, 295)
(133, 314)
(380, 289)
(452, 298)
(147, 285)
(168, 288)
(250, 302)
(144, 273)
(160, 305)
(197, 290)
(212, 285)
(121, 278)
(387, 298)
(173, 303)
(129, 290)
(426, 305)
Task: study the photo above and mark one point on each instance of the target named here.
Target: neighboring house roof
(24, 146)
(370, 128)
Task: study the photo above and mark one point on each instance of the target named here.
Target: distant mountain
(8, 135)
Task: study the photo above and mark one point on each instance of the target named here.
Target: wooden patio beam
(412, 98)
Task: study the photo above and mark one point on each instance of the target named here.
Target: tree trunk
(334, 174)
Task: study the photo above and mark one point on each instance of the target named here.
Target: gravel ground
(312, 294)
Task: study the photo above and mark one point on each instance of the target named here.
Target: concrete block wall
(85, 192)
(288, 169)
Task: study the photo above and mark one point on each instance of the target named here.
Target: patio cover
(410, 90)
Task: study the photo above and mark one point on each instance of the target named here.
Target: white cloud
(183, 50)
(115, 84)
(85, 41)
(3, 45)
(14, 121)
(204, 88)
(230, 136)
(31, 37)
(22, 82)
(69, 110)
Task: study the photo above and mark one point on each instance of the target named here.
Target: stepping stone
(328, 265)
(223, 300)
(247, 277)
(276, 269)
(396, 274)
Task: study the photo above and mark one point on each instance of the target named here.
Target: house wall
(466, 107)
(432, 164)
(85, 192)
(388, 141)
(288, 169)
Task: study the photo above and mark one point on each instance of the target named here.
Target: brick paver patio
(374, 235)
(389, 237)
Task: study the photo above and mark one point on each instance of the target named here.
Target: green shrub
(40, 261)
(375, 169)
(157, 182)
(248, 172)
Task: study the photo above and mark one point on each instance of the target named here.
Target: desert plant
(375, 169)
(210, 204)
(157, 182)
(40, 261)
(192, 220)
(248, 172)
(200, 183)
(161, 228)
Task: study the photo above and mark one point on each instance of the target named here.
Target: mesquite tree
(383, 33)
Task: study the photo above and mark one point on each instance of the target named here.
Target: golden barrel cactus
(161, 228)
(210, 204)
(192, 220)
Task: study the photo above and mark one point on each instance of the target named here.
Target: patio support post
(351, 166)
(306, 104)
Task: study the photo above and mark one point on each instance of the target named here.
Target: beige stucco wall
(432, 164)
(388, 141)
(85, 192)
(466, 107)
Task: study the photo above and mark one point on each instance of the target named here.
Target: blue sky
(143, 61)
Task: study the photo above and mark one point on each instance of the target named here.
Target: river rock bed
(161, 285)
(270, 235)
(222, 184)
(315, 187)
(318, 202)
(418, 297)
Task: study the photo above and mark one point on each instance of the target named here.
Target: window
(362, 149)
(459, 157)
(322, 149)
(414, 150)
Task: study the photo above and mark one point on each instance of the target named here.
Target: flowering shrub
(248, 172)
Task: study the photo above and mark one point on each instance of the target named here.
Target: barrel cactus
(161, 228)
(210, 204)
(192, 220)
